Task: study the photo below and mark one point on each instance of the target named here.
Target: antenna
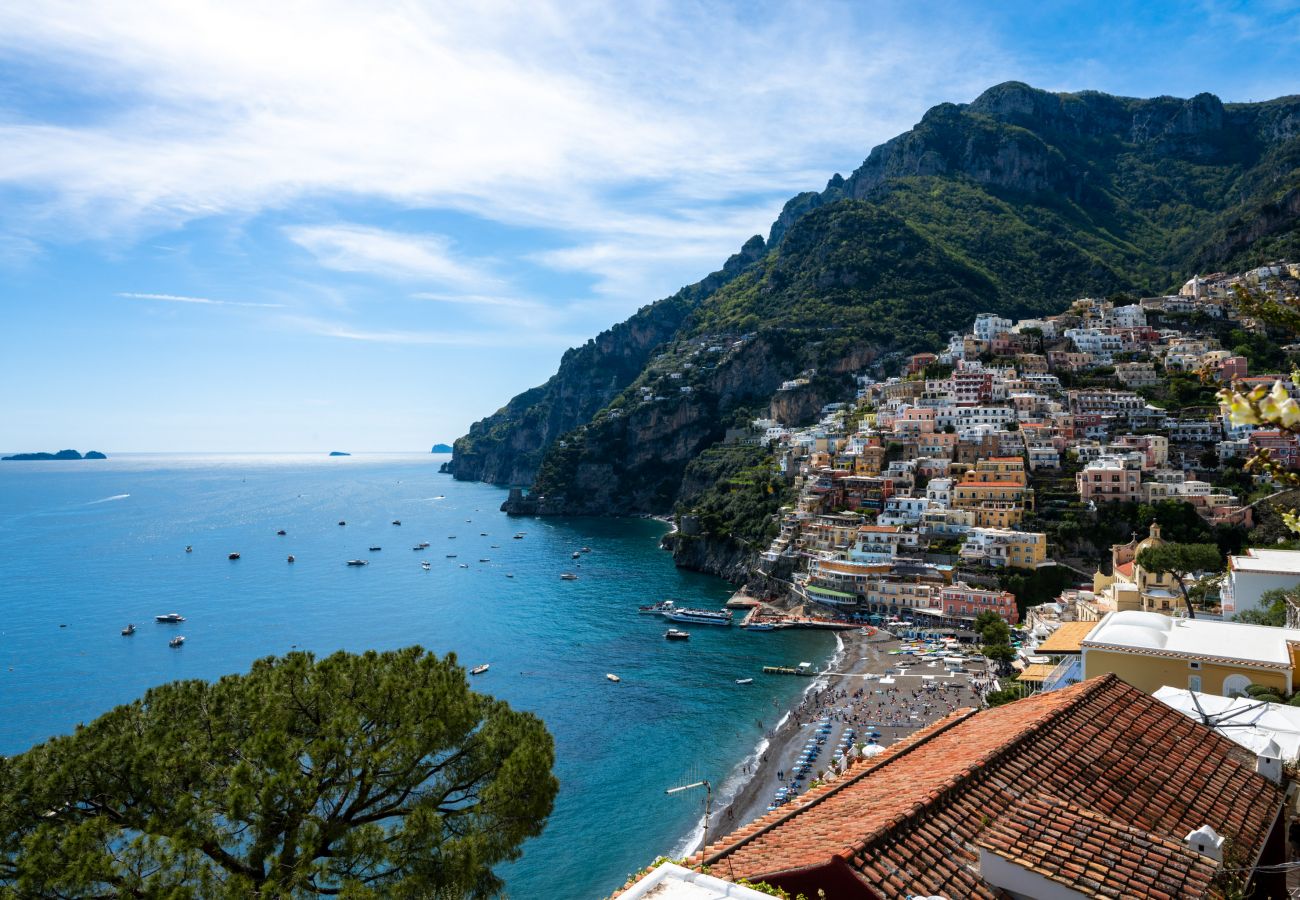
(708, 800)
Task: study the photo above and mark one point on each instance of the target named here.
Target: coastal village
(1134, 729)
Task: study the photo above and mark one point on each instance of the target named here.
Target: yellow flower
(1241, 412)
(1289, 413)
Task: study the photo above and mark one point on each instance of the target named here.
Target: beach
(864, 688)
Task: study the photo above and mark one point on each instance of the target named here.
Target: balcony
(1067, 672)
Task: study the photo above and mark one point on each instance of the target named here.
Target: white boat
(425, 565)
(576, 555)
(169, 618)
(658, 609)
(760, 626)
(698, 616)
(674, 634)
(568, 576)
(358, 562)
(176, 641)
(586, 549)
(479, 670)
(464, 565)
(744, 681)
(612, 677)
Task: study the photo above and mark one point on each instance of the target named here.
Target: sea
(89, 546)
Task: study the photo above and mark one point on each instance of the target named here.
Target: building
(1269, 730)
(1255, 572)
(1005, 547)
(1149, 651)
(1097, 790)
(962, 603)
(1109, 480)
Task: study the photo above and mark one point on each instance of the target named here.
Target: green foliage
(1272, 609)
(735, 491)
(380, 774)
(1181, 561)
(1035, 586)
(1009, 694)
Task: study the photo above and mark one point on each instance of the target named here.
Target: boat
(568, 576)
(358, 562)
(397, 521)
(519, 535)
(576, 555)
(760, 626)
(482, 534)
(290, 557)
(423, 545)
(451, 537)
(485, 559)
(612, 677)
(169, 618)
(586, 549)
(744, 681)
(660, 607)
(698, 616)
(282, 532)
(451, 555)
(341, 522)
(233, 556)
(674, 634)
(510, 574)
(189, 548)
(375, 549)
(128, 630)
(425, 565)
(176, 641)
(464, 565)
(479, 670)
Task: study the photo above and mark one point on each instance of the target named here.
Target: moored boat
(479, 670)
(425, 565)
(169, 618)
(128, 630)
(568, 576)
(291, 557)
(698, 616)
(760, 626)
(176, 641)
(397, 521)
(661, 607)
(674, 634)
(233, 556)
(744, 681)
(358, 562)
(576, 555)
(612, 677)
(282, 532)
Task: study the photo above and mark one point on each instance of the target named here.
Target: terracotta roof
(906, 822)
(1066, 638)
(1096, 855)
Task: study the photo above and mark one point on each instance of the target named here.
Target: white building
(1259, 570)
(988, 326)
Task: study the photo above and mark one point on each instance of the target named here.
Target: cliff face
(1015, 203)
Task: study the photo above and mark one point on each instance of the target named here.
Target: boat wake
(109, 499)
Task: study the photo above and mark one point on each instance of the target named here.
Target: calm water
(94, 545)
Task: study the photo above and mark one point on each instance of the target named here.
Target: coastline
(849, 692)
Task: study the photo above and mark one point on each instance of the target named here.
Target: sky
(232, 225)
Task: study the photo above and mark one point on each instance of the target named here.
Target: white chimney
(1207, 842)
(1268, 761)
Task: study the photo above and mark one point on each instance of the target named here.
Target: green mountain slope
(1015, 203)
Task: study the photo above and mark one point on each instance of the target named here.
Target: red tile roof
(906, 822)
(1096, 855)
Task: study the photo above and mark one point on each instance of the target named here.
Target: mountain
(1015, 203)
(61, 455)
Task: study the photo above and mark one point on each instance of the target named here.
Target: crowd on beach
(892, 705)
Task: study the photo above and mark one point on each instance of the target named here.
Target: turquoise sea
(90, 546)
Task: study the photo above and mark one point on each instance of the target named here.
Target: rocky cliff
(1015, 203)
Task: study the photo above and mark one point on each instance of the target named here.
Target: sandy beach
(866, 689)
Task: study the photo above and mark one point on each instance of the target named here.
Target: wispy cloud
(349, 332)
(204, 301)
(481, 300)
(355, 248)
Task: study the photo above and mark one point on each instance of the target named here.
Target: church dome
(1153, 539)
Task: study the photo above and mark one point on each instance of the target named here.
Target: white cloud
(402, 336)
(204, 301)
(354, 248)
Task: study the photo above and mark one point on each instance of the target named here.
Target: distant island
(339, 453)
(441, 448)
(62, 454)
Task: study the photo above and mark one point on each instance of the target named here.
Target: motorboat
(482, 534)
(375, 549)
(291, 557)
(189, 548)
(519, 535)
(586, 549)
(423, 545)
(674, 634)
(568, 576)
(169, 618)
(451, 555)
(744, 681)
(176, 641)
(358, 562)
(576, 555)
(397, 521)
(510, 574)
(485, 559)
(128, 630)
(612, 677)
(464, 565)
(233, 556)
(282, 532)
(660, 607)
(341, 522)
(479, 670)
(425, 565)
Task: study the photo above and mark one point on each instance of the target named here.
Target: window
(1193, 665)
(1194, 683)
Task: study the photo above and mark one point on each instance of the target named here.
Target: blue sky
(236, 225)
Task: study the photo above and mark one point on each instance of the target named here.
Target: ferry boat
(176, 641)
(698, 616)
(674, 634)
(169, 618)
(479, 670)
(357, 562)
(128, 630)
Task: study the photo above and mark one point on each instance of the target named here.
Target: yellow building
(1132, 587)
(1150, 651)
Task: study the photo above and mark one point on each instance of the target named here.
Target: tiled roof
(1096, 855)
(906, 822)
